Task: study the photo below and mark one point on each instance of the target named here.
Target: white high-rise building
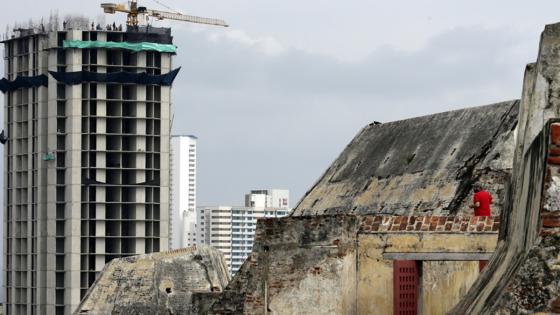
(232, 229)
(183, 215)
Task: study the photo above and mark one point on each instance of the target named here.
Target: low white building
(183, 215)
(232, 229)
(268, 198)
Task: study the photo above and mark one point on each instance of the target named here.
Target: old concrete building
(86, 160)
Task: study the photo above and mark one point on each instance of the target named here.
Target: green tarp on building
(81, 44)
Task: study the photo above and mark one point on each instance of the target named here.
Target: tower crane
(139, 16)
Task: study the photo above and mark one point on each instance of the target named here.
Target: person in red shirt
(481, 201)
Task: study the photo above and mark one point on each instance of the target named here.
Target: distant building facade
(232, 229)
(183, 214)
(269, 198)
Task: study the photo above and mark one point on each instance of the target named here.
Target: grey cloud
(278, 121)
(476, 56)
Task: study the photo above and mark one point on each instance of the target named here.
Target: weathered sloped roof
(183, 281)
(420, 165)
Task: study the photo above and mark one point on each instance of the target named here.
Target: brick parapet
(427, 224)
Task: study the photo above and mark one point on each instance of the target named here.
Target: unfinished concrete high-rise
(86, 175)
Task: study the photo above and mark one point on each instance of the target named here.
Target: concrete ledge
(437, 256)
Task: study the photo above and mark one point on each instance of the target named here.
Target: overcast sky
(276, 97)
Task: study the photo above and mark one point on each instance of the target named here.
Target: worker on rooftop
(481, 201)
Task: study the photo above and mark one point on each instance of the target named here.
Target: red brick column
(550, 213)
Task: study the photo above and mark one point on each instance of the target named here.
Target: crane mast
(139, 16)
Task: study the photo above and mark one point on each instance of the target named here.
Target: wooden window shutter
(405, 287)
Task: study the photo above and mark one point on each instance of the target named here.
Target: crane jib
(137, 15)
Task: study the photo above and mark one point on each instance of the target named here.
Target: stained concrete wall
(161, 283)
(303, 265)
(327, 289)
(443, 283)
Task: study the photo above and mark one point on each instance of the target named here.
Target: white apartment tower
(183, 216)
(86, 176)
(232, 229)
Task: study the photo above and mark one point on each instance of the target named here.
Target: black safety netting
(72, 78)
(23, 82)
